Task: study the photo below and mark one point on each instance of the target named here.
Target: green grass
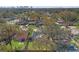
(77, 26)
(16, 45)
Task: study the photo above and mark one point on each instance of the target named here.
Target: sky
(39, 3)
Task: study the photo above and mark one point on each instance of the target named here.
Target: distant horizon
(39, 6)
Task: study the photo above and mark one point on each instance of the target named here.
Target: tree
(68, 17)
